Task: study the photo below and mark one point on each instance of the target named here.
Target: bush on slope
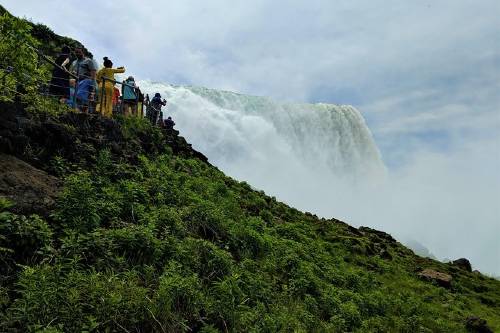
(169, 243)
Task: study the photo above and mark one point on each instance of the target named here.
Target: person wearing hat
(106, 78)
(129, 96)
(59, 84)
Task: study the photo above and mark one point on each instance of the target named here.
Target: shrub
(136, 244)
(205, 220)
(168, 221)
(204, 258)
(178, 302)
(244, 241)
(119, 249)
(16, 51)
(60, 296)
(78, 206)
(23, 240)
(228, 302)
(135, 199)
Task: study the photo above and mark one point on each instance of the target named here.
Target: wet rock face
(32, 190)
(463, 263)
(443, 279)
(477, 325)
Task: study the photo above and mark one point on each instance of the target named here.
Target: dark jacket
(59, 84)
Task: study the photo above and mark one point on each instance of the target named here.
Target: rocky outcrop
(379, 234)
(462, 263)
(30, 189)
(379, 242)
(442, 279)
(477, 325)
(29, 146)
(77, 137)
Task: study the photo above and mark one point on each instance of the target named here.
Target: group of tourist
(81, 85)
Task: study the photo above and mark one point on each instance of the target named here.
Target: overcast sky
(424, 74)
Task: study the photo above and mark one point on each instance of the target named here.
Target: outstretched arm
(65, 63)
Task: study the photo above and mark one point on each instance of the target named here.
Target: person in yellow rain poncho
(105, 106)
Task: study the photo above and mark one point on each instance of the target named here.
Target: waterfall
(289, 150)
(322, 158)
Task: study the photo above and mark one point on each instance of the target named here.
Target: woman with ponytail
(105, 79)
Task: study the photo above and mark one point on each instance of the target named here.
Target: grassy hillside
(122, 227)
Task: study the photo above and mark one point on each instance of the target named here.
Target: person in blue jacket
(129, 96)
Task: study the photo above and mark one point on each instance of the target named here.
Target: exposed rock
(442, 279)
(384, 254)
(32, 190)
(370, 248)
(380, 234)
(463, 263)
(309, 214)
(477, 325)
(76, 137)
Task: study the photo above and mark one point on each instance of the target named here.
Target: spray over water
(322, 158)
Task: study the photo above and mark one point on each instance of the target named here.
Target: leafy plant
(19, 66)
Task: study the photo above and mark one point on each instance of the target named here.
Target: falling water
(322, 158)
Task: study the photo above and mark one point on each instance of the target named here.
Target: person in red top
(116, 99)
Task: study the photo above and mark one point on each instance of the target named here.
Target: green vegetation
(18, 60)
(159, 241)
(171, 244)
(22, 70)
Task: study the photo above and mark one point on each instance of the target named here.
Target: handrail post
(123, 100)
(142, 108)
(77, 83)
(148, 109)
(136, 113)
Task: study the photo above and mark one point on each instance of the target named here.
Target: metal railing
(103, 100)
(95, 96)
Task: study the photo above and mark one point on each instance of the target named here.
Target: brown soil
(30, 189)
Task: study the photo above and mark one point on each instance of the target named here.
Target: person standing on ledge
(85, 69)
(116, 100)
(59, 84)
(129, 96)
(168, 124)
(156, 104)
(106, 78)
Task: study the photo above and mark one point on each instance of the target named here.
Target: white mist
(322, 158)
